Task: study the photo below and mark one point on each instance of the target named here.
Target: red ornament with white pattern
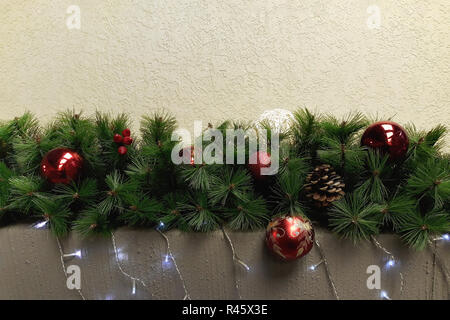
(290, 237)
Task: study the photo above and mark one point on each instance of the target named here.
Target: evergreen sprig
(355, 217)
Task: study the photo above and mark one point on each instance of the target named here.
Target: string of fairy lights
(169, 258)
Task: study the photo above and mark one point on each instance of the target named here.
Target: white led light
(384, 295)
(390, 263)
(40, 225)
(446, 236)
(133, 290)
(74, 254)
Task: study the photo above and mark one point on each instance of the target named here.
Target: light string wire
(327, 269)
(133, 279)
(236, 260)
(63, 265)
(169, 254)
(392, 258)
(437, 258)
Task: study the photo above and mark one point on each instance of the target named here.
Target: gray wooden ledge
(30, 267)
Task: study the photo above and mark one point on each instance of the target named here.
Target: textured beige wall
(212, 60)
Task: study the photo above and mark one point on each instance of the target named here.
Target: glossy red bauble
(289, 237)
(122, 150)
(61, 165)
(257, 161)
(388, 138)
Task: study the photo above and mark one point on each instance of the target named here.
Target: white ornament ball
(279, 120)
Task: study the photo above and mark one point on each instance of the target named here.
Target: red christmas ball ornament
(61, 165)
(122, 150)
(127, 140)
(289, 237)
(257, 161)
(126, 132)
(388, 138)
(118, 138)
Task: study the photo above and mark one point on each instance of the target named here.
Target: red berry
(122, 150)
(126, 132)
(127, 140)
(117, 138)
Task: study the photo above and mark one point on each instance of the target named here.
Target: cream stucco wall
(210, 60)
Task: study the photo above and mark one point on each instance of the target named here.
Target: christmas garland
(91, 175)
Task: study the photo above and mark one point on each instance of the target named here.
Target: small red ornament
(122, 150)
(61, 165)
(189, 153)
(290, 237)
(257, 161)
(118, 138)
(126, 132)
(127, 140)
(388, 138)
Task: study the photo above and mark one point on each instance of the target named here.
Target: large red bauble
(290, 237)
(61, 165)
(257, 161)
(388, 138)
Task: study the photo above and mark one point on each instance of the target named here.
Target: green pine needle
(84, 192)
(24, 190)
(92, 221)
(249, 214)
(431, 179)
(377, 171)
(354, 217)
(417, 230)
(232, 183)
(141, 210)
(199, 215)
(56, 212)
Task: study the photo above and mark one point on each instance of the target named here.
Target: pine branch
(231, 184)
(376, 172)
(343, 130)
(157, 127)
(118, 190)
(424, 145)
(251, 214)
(92, 221)
(417, 230)
(56, 212)
(286, 192)
(306, 132)
(199, 214)
(83, 193)
(395, 211)
(141, 210)
(173, 216)
(354, 217)
(432, 180)
(24, 190)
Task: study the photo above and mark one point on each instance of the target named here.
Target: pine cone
(324, 186)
